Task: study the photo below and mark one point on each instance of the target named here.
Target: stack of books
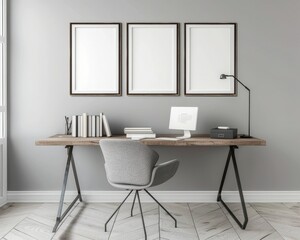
(139, 133)
(90, 125)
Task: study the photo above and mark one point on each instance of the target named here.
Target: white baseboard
(162, 196)
(2, 201)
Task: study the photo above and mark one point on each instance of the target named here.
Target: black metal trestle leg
(76, 178)
(60, 215)
(231, 155)
(162, 207)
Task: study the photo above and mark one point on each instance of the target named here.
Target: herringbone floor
(268, 221)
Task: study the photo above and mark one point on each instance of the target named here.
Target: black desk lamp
(224, 76)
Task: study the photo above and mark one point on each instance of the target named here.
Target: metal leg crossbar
(60, 215)
(231, 155)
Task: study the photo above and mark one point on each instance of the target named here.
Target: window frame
(3, 107)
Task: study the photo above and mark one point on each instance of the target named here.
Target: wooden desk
(197, 140)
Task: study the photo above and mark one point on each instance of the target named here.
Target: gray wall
(38, 94)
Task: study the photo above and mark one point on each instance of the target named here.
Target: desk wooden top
(196, 140)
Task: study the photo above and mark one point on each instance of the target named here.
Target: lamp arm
(240, 82)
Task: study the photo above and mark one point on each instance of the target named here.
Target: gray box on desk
(223, 133)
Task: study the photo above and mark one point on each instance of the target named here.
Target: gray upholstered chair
(131, 165)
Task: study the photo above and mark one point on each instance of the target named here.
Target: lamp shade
(223, 76)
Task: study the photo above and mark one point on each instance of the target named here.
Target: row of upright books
(139, 133)
(90, 125)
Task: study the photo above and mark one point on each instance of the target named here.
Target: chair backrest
(128, 162)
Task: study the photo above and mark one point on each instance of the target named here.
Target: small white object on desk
(223, 127)
(184, 118)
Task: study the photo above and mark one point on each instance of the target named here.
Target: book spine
(97, 126)
(100, 124)
(89, 126)
(74, 123)
(106, 126)
(84, 125)
(93, 126)
(79, 118)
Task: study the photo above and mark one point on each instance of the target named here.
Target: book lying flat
(137, 131)
(150, 135)
(137, 128)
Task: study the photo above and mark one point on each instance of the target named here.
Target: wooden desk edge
(197, 140)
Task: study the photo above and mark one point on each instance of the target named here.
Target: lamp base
(245, 136)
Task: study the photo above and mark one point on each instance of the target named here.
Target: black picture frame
(119, 48)
(177, 93)
(234, 93)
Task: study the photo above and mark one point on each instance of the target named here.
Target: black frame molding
(234, 94)
(177, 59)
(120, 59)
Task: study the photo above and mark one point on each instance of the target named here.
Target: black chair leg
(131, 212)
(105, 227)
(162, 207)
(138, 197)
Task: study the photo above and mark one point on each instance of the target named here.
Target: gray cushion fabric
(161, 173)
(128, 162)
(164, 171)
